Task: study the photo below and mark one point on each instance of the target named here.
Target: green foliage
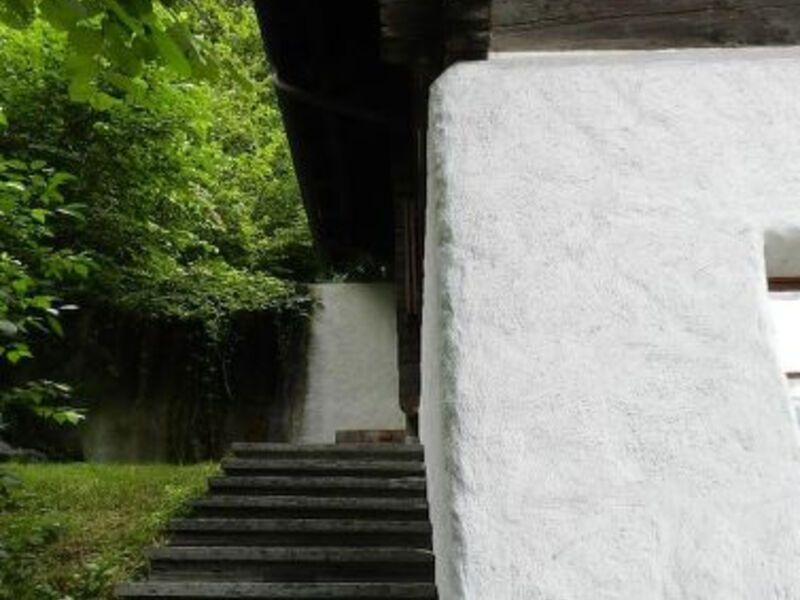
(73, 531)
(137, 179)
(43, 398)
(32, 271)
(110, 43)
(191, 206)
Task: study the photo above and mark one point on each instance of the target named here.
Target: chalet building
(581, 203)
(590, 211)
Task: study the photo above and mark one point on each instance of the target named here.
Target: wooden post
(423, 36)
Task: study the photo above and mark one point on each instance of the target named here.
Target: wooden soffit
(520, 25)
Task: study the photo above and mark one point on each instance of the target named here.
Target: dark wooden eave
(343, 109)
(348, 77)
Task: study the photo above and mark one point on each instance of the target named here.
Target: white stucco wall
(352, 362)
(603, 409)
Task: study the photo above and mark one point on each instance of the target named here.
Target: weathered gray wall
(157, 390)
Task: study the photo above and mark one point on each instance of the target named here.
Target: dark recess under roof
(345, 112)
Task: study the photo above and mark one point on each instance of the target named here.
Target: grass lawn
(71, 531)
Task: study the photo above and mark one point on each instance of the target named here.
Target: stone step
(340, 451)
(298, 532)
(334, 564)
(375, 487)
(275, 591)
(303, 467)
(305, 507)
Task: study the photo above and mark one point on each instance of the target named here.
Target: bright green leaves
(31, 204)
(82, 64)
(14, 353)
(44, 398)
(18, 14)
(39, 215)
(172, 54)
(126, 54)
(112, 41)
(193, 212)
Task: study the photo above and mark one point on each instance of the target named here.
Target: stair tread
(301, 523)
(297, 525)
(406, 483)
(276, 591)
(326, 554)
(328, 464)
(222, 501)
(343, 449)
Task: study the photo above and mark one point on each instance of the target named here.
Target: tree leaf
(72, 416)
(123, 15)
(61, 178)
(122, 83)
(18, 14)
(68, 212)
(102, 101)
(80, 89)
(17, 353)
(39, 215)
(172, 54)
(119, 49)
(86, 41)
(14, 186)
(139, 8)
(55, 326)
(81, 270)
(21, 285)
(7, 328)
(63, 14)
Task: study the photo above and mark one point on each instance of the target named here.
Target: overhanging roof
(346, 111)
(351, 76)
(348, 80)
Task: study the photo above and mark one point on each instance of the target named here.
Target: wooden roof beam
(522, 25)
(435, 33)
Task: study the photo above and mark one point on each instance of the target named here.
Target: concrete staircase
(301, 523)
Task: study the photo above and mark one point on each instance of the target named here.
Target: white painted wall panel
(604, 412)
(352, 362)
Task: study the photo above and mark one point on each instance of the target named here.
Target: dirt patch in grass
(71, 531)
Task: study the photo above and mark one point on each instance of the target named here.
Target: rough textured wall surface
(160, 390)
(603, 409)
(352, 362)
